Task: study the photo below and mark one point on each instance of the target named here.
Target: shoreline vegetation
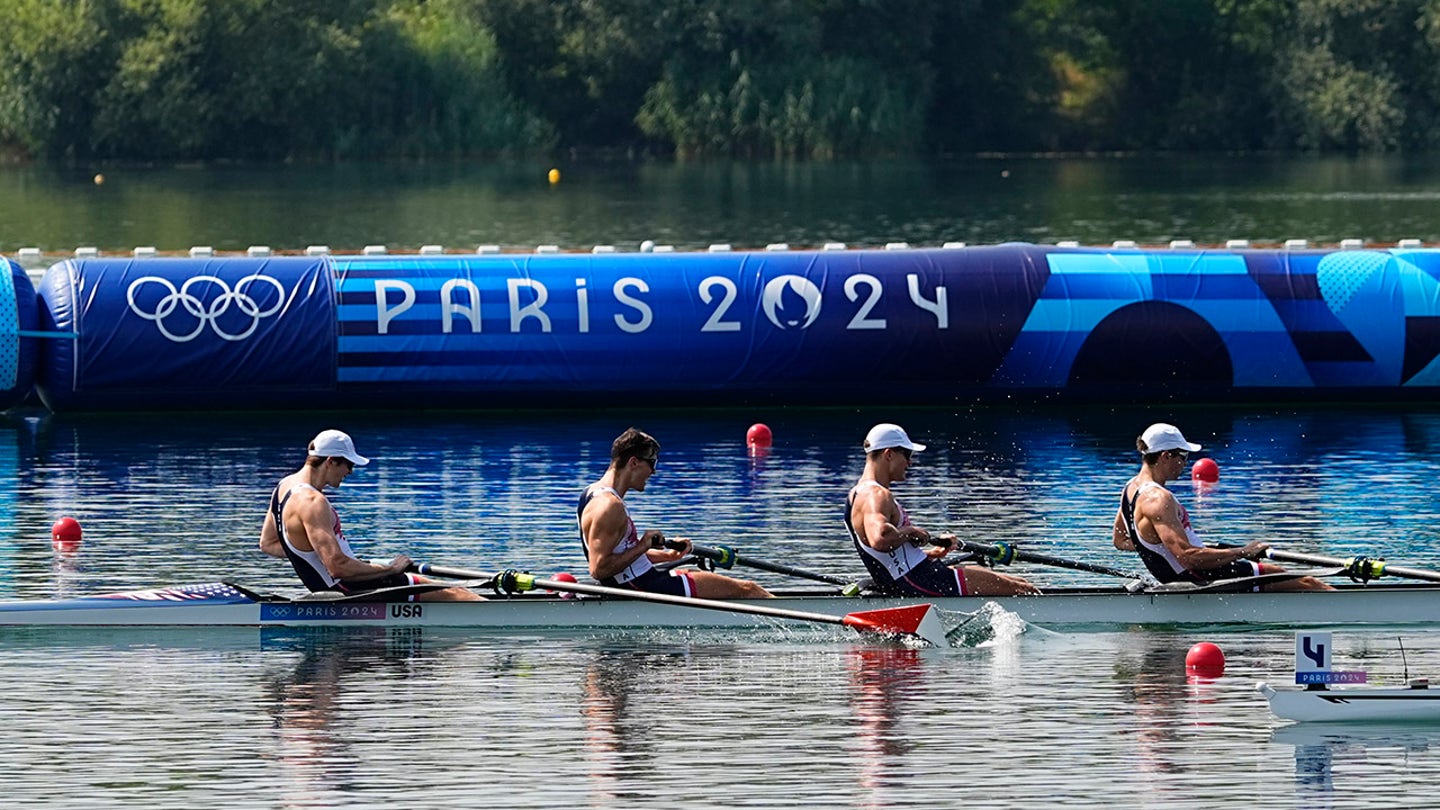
(319, 80)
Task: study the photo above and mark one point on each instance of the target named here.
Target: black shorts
(355, 587)
(929, 578)
(1235, 569)
(657, 581)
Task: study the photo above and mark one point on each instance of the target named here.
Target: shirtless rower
(621, 557)
(302, 525)
(903, 558)
(1152, 522)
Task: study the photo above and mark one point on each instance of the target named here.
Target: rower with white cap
(903, 558)
(302, 525)
(1152, 522)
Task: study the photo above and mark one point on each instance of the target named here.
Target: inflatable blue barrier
(18, 350)
(852, 327)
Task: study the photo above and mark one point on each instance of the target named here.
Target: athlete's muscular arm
(604, 525)
(1159, 508)
(270, 537)
(874, 516)
(1121, 534)
(310, 520)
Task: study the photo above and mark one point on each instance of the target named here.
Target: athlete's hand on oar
(940, 545)
(669, 549)
(1360, 569)
(726, 557)
(914, 535)
(1253, 550)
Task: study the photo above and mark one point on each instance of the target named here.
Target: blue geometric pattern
(9, 329)
(1086, 287)
(787, 327)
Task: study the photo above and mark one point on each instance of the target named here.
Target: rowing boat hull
(1354, 705)
(213, 605)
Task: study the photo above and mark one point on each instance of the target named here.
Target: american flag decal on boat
(207, 591)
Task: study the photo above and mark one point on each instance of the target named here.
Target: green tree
(1335, 86)
(55, 57)
(585, 66)
(778, 78)
(994, 83)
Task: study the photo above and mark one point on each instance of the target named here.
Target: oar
(727, 557)
(392, 594)
(917, 621)
(1362, 569)
(1005, 554)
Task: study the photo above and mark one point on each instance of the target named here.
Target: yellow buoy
(554, 176)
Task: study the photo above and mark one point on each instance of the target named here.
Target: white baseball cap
(336, 443)
(886, 435)
(1160, 437)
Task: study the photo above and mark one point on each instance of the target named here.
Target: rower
(902, 557)
(302, 525)
(622, 557)
(1152, 522)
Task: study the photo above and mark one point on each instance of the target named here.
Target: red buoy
(1205, 659)
(565, 576)
(65, 535)
(1206, 470)
(758, 435)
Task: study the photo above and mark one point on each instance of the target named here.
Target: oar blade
(919, 621)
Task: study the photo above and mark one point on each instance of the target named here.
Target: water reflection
(883, 681)
(1336, 756)
(1156, 687)
(309, 703)
(1151, 199)
(619, 746)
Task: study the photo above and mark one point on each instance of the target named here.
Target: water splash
(988, 626)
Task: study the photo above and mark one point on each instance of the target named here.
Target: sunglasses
(1183, 455)
(651, 460)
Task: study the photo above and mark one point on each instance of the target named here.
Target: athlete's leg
(710, 585)
(981, 581)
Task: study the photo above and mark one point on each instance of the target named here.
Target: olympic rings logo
(205, 314)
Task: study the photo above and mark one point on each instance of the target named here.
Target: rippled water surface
(1151, 199)
(780, 716)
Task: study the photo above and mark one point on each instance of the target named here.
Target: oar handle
(1360, 569)
(726, 557)
(1007, 553)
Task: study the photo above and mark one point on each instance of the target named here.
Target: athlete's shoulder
(869, 486)
(302, 496)
(601, 500)
(871, 494)
(1152, 496)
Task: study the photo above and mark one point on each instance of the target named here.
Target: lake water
(776, 717)
(1208, 199)
(780, 717)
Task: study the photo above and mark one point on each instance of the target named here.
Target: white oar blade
(920, 621)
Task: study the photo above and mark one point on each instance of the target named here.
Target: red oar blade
(920, 621)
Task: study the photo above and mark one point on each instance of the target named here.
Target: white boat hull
(1354, 705)
(1386, 607)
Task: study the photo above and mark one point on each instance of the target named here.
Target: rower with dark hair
(1152, 522)
(302, 525)
(622, 557)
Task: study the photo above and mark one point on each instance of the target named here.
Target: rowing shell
(223, 604)
(1419, 705)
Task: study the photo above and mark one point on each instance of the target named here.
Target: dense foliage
(188, 79)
